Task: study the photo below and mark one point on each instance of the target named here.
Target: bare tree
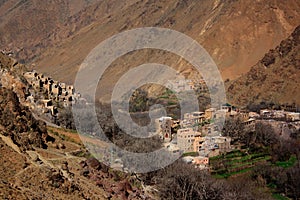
(264, 134)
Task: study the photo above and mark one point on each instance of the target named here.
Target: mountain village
(196, 136)
(46, 95)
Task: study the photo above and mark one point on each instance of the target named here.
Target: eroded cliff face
(275, 78)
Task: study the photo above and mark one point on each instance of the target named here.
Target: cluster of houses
(53, 93)
(197, 133)
(180, 85)
(279, 114)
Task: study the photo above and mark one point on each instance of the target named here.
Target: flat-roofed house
(293, 116)
(197, 145)
(186, 138)
(210, 113)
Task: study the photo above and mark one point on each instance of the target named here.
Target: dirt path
(81, 139)
(33, 155)
(10, 143)
(44, 120)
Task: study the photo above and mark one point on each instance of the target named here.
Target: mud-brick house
(48, 85)
(39, 84)
(253, 115)
(210, 113)
(62, 86)
(216, 145)
(47, 106)
(222, 143)
(186, 139)
(250, 124)
(70, 89)
(64, 93)
(197, 145)
(192, 120)
(293, 116)
(56, 90)
(265, 113)
(53, 110)
(70, 98)
(40, 76)
(226, 107)
(30, 75)
(44, 79)
(194, 117)
(47, 102)
(180, 85)
(63, 98)
(201, 162)
(33, 80)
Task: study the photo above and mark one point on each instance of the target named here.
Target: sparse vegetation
(265, 165)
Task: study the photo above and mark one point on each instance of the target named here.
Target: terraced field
(236, 162)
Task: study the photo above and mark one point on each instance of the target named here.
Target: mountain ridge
(236, 34)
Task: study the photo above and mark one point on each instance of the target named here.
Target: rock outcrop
(116, 184)
(17, 122)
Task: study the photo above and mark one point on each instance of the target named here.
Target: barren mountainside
(58, 35)
(256, 46)
(29, 27)
(275, 78)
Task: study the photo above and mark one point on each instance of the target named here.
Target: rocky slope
(39, 162)
(29, 170)
(58, 35)
(17, 122)
(46, 24)
(32, 175)
(275, 78)
(16, 119)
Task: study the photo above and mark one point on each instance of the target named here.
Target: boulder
(93, 163)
